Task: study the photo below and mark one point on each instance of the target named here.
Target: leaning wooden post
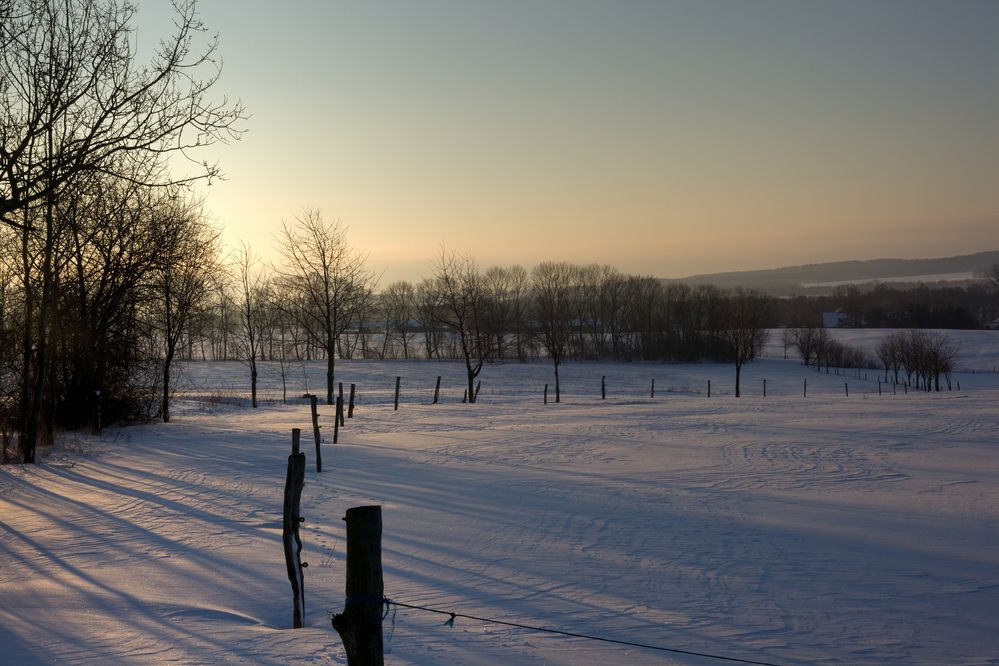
(846, 387)
(397, 380)
(292, 519)
(313, 402)
(350, 407)
(437, 389)
(603, 387)
(360, 623)
(546, 394)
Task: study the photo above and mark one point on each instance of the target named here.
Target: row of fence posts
(603, 390)
(360, 623)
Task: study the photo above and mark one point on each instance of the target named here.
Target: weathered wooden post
(360, 623)
(804, 389)
(546, 394)
(397, 380)
(341, 390)
(603, 387)
(437, 389)
(337, 419)
(709, 388)
(653, 393)
(764, 388)
(350, 407)
(313, 404)
(846, 387)
(292, 519)
(879, 386)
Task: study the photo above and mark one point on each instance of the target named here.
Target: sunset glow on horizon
(665, 138)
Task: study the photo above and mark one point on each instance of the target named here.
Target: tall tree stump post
(337, 419)
(314, 406)
(396, 401)
(350, 406)
(360, 623)
(437, 389)
(289, 532)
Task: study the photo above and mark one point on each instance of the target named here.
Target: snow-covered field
(790, 530)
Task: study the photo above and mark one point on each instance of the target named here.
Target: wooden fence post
(846, 387)
(360, 623)
(350, 407)
(546, 394)
(290, 534)
(804, 389)
(437, 389)
(313, 402)
(397, 380)
(337, 419)
(603, 387)
(653, 393)
(709, 388)
(764, 388)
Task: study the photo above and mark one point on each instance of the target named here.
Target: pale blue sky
(666, 138)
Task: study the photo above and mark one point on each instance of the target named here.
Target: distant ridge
(821, 278)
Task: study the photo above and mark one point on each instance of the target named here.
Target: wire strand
(572, 634)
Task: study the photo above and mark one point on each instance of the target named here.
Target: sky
(664, 138)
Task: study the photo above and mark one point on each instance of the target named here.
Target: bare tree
(399, 301)
(745, 328)
(429, 312)
(189, 252)
(253, 298)
(73, 98)
(329, 279)
(465, 307)
(553, 310)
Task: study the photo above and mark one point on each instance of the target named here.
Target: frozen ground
(791, 530)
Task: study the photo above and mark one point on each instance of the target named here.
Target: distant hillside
(822, 278)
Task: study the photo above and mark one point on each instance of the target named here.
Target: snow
(826, 529)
